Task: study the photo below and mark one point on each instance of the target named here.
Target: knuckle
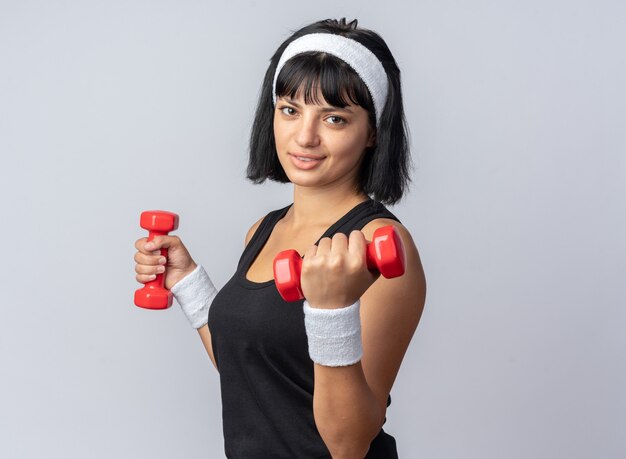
(335, 262)
(309, 266)
(316, 262)
(354, 265)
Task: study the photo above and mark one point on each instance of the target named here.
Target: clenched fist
(150, 262)
(335, 273)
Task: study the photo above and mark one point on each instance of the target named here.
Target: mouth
(306, 156)
(305, 161)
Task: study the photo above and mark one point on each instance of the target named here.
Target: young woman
(311, 379)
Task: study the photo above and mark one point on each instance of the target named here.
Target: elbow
(346, 443)
(352, 454)
(348, 449)
(348, 430)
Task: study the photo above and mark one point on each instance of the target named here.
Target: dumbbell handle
(159, 281)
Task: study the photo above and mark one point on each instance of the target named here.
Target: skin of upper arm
(390, 312)
(252, 230)
(205, 336)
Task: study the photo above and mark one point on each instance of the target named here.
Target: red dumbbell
(385, 254)
(153, 295)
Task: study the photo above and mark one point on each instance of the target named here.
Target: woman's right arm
(204, 332)
(205, 336)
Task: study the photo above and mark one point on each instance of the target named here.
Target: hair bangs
(307, 73)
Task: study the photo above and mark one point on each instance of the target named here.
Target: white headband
(360, 58)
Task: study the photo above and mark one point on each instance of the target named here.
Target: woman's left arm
(350, 402)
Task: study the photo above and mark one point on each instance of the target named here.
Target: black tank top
(260, 347)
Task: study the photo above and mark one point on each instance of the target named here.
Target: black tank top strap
(261, 234)
(358, 217)
(355, 219)
(376, 210)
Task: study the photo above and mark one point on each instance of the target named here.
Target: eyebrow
(324, 109)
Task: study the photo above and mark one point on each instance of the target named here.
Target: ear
(371, 141)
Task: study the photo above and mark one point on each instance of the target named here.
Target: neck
(318, 206)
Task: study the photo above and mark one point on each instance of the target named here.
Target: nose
(307, 135)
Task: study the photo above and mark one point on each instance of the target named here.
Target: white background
(517, 114)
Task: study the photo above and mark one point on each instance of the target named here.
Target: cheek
(349, 146)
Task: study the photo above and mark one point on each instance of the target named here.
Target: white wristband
(194, 294)
(334, 334)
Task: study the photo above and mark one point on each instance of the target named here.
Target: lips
(307, 162)
(306, 155)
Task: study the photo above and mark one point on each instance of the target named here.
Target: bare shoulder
(252, 230)
(369, 228)
(414, 276)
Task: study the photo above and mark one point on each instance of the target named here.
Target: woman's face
(330, 141)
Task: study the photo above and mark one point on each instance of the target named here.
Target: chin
(300, 176)
(298, 179)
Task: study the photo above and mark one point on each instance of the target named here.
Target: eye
(334, 119)
(287, 110)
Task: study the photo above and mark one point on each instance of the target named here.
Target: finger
(339, 244)
(144, 259)
(140, 245)
(150, 246)
(143, 278)
(323, 246)
(161, 242)
(357, 245)
(149, 269)
(310, 252)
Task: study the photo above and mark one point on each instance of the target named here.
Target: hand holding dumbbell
(385, 253)
(152, 261)
(154, 295)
